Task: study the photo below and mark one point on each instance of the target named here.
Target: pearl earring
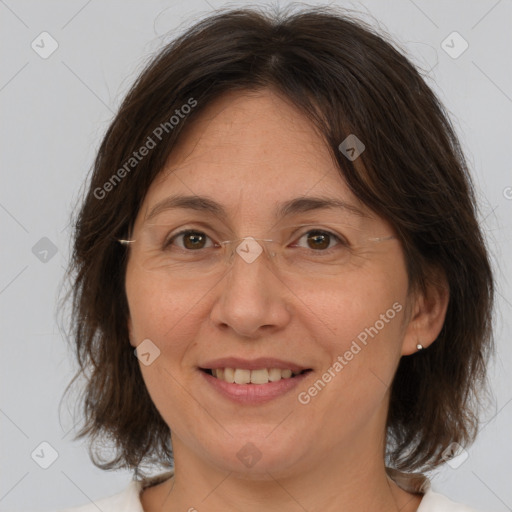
(419, 347)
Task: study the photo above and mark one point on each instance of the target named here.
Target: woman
(281, 227)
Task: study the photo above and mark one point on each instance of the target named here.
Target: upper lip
(252, 364)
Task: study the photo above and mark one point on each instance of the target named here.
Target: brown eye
(194, 240)
(190, 240)
(318, 240)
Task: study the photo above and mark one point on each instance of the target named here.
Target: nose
(252, 299)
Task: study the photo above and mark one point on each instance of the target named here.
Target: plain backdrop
(54, 111)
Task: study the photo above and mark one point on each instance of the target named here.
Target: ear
(427, 314)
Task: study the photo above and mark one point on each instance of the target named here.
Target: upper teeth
(261, 376)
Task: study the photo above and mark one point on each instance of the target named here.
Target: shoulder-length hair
(347, 79)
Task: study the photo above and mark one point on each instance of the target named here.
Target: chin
(257, 456)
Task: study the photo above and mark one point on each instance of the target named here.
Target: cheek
(363, 323)
(158, 309)
(378, 312)
(165, 316)
(344, 311)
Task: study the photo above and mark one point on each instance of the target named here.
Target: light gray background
(54, 112)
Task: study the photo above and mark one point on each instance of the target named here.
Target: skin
(249, 152)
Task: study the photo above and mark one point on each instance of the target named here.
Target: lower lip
(254, 393)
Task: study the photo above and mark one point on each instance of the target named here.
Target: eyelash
(170, 241)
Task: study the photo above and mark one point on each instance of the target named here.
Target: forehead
(251, 152)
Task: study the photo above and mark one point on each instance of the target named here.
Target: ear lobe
(428, 314)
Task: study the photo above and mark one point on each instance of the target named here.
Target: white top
(129, 501)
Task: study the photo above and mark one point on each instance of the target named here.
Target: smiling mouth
(259, 376)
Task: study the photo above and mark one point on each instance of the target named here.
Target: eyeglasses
(299, 250)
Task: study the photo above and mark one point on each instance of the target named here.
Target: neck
(348, 476)
(354, 485)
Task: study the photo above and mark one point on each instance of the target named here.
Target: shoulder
(434, 502)
(127, 500)
(431, 501)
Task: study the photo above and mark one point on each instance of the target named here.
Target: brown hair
(347, 79)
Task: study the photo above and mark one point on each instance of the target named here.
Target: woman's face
(251, 153)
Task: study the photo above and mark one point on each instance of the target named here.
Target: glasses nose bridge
(249, 249)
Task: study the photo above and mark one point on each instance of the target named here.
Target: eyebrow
(283, 210)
